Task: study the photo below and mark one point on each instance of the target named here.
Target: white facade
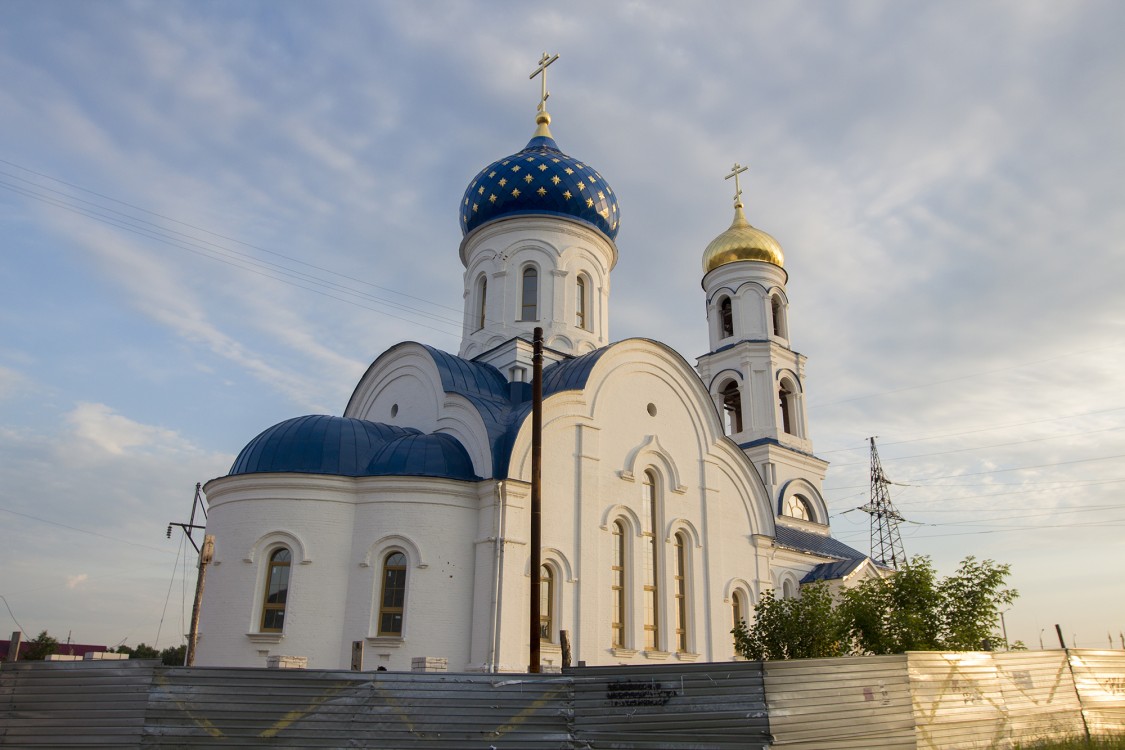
(661, 522)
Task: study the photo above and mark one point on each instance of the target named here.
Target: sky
(215, 215)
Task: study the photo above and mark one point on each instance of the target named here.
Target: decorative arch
(654, 453)
(384, 544)
(686, 526)
(807, 490)
(554, 556)
(277, 538)
(735, 584)
(623, 513)
(727, 374)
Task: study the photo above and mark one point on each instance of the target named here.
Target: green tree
(42, 646)
(911, 610)
(141, 651)
(802, 628)
(173, 656)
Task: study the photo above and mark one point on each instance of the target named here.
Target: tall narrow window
(618, 587)
(546, 604)
(732, 407)
(778, 327)
(277, 591)
(651, 563)
(726, 317)
(393, 596)
(529, 299)
(738, 607)
(787, 589)
(681, 594)
(482, 301)
(580, 303)
(785, 400)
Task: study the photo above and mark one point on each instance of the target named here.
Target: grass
(1097, 743)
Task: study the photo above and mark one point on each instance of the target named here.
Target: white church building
(673, 495)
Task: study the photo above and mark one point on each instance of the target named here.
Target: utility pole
(886, 543)
(536, 493)
(205, 556)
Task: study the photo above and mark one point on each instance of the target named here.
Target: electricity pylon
(886, 543)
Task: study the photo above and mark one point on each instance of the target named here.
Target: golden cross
(737, 169)
(544, 61)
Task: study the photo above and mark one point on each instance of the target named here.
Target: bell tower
(755, 377)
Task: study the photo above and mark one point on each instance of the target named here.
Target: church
(673, 495)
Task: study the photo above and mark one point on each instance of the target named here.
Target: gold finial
(542, 119)
(736, 170)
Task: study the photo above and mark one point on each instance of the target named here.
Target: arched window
(618, 585)
(277, 591)
(651, 586)
(738, 605)
(798, 507)
(580, 304)
(778, 316)
(393, 597)
(732, 407)
(787, 589)
(681, 588)
(529, 298)
(546, 603)
(482, 301)
(726, 318)
(787, 401)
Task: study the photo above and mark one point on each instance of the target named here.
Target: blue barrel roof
(348, 447)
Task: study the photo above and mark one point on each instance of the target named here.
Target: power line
(84, 531)
(920, 481)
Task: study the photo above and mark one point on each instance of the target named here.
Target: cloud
(72, 582)
(97, 428)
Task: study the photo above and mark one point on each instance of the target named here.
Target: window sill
(655, 655)
(386, 640)
(265, 637)
(686, 656)
(627, 653)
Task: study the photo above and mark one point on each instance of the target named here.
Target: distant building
(65, 649)
(673, 495)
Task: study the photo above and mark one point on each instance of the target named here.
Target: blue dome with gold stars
(540, 180)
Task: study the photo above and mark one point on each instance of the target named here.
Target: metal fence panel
(73, 704)
(840, 704)
(958, 701)
(670, 706)
(1100, 679)
(1039, 697)
(312, 709)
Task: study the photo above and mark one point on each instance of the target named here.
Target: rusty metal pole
(536, 491)
(205, 556)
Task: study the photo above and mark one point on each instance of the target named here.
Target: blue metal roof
(540, 180)
(832, 571)
(815, 543)
(434, 455)
(343, 446)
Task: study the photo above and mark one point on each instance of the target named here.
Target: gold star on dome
(567, 195)
(555, 179)
(581, 185)
(506, 162)
(481, 191)
(516, 168)
(542, 192)
(593, 180)
(466, 201)
(579, 166)
(589, 203)
(601, 195)
(492, 174)
(475, 208)
(503, 181)
(542, 167)
(492, 198)
(515, 192)
(604, 213)
(556, 161)
(530, 158)
(528, 179)
(568, 170)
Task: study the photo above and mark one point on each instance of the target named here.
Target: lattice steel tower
(886, 543)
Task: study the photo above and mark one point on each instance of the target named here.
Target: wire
(84, 531)
(168, 595)
(13, 614)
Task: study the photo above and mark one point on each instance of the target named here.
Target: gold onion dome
(742, 242)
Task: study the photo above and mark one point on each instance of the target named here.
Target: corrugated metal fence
(918, 700)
